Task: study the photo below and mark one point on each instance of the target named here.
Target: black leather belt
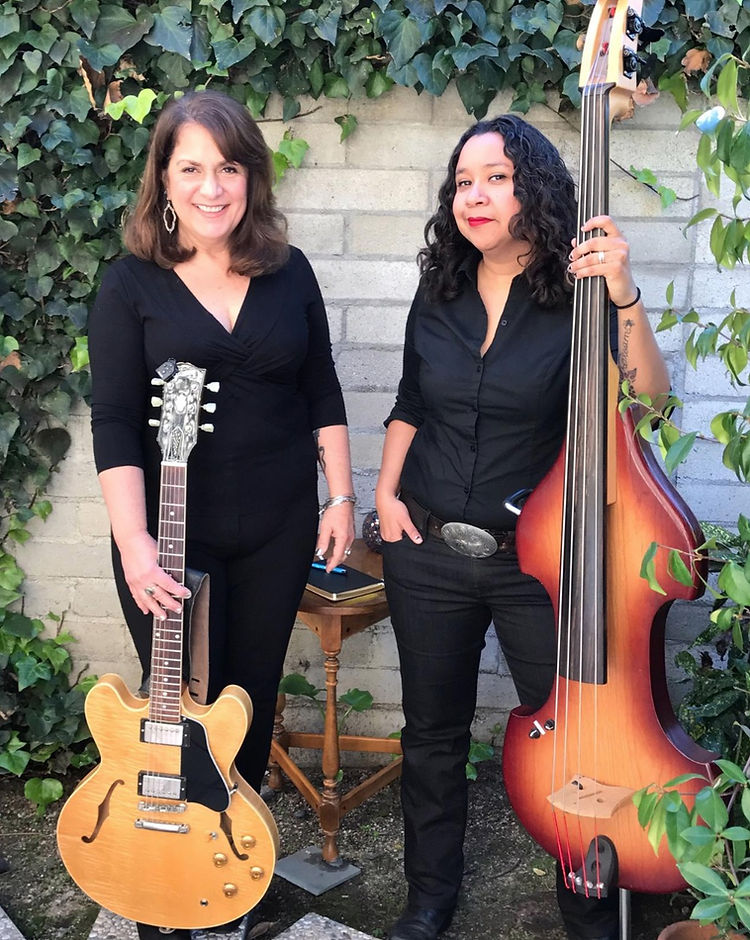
(429, 524)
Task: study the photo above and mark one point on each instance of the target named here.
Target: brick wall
(358, 210)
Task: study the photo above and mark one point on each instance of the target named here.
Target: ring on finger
(601, 257)
(150, 590)
(347, 552)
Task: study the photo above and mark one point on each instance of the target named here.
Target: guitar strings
(583, 498)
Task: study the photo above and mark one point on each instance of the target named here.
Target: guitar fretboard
(167, 647)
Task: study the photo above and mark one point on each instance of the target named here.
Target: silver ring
(347, 552)
(150, 590)
(601, 257)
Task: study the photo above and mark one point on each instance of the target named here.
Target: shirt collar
(469, 266)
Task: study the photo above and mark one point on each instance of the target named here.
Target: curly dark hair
(547, 220)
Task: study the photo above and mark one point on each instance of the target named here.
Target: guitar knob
(208, 428)
(213, 386)
(156, 402)
(220, 859)
(210, 407)
(230, 890)
(153, 422)
(247, 842)
(256, 872)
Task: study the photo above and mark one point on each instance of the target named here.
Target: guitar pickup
(163, 732)
(161, 786)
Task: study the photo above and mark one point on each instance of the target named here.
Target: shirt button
(479, 368)
(503, 323)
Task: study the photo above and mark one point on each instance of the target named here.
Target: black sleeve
(409, 405)
(118, 375)
(317, 378)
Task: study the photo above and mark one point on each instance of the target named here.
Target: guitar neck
(168, 635)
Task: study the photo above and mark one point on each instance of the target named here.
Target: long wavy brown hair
(258, 245)
(546, 221)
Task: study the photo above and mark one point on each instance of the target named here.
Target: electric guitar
(164, 830)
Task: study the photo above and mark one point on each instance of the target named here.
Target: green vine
(82, 80)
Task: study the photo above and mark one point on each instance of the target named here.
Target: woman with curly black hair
(480, 414)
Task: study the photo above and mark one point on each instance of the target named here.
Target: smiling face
(485, 201)
(208, 192)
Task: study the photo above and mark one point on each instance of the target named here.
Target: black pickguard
(204, 782)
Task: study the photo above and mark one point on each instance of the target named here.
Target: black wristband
(632, 302)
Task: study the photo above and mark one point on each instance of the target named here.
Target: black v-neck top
(487, 426)
(277, 377)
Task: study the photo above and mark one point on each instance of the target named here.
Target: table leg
(330, 807)
(275, 778)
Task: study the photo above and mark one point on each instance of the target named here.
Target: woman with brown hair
(211, 280)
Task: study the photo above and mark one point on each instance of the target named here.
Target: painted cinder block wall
(358, 210)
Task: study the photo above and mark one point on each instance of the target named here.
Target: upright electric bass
(607, 729)
(165, 831)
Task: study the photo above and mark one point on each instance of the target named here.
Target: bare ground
(508, 888)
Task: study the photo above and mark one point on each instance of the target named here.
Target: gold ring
(150, 590)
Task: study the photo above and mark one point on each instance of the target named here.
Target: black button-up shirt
(488, 425)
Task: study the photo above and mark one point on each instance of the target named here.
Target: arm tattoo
(622, 361)
(321, 450)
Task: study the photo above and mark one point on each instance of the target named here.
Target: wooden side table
(333, 622)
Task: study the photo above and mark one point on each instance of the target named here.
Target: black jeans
(441, 606)
(258, 568)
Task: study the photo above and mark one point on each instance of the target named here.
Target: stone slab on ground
(307, 870)
(109, 926)
(8, 930)
(315, 927)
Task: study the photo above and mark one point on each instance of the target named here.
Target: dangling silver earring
(169, 216)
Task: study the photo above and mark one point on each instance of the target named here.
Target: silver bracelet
(336, 501)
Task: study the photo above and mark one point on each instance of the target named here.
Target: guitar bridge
(161, 786)
(163, 732)
(159, 826)
(150, 806)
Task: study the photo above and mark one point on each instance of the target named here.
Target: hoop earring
(169, 216)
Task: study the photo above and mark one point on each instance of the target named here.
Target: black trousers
(441, 606)
(258, 567)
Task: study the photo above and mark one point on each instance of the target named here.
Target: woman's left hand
(606, 255)
(337, 526)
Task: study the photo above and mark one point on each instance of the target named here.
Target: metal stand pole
(624, 914)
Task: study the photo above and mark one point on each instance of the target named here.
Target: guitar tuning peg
(156, 402)
(153, 423)
(210, 407)
(213, 386)
(209, 428)
(157, 381)
(630, 63)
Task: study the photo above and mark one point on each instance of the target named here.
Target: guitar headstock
(610, 53)
(182, 390)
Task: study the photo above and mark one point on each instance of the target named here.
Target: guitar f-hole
(102, 812)
(226, 828)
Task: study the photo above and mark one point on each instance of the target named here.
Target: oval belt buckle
(469, 539)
